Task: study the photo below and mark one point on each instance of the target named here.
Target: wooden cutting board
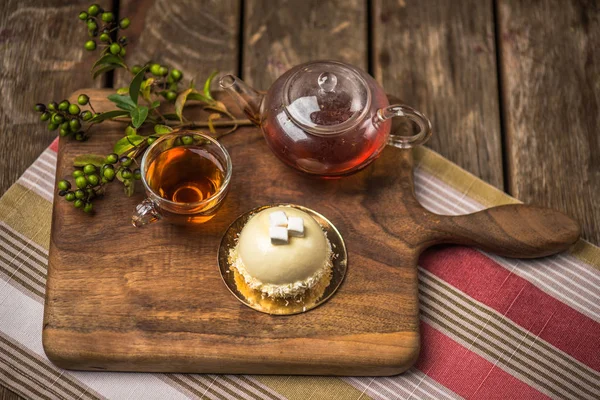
(152, 299)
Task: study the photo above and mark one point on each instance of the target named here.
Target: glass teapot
(326, 118)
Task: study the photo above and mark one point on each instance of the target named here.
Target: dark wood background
(512, 87)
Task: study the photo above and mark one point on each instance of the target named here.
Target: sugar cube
(295, 226)
(278, 218)
(278, 234)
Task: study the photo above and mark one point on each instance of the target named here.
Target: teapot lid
(326, 97)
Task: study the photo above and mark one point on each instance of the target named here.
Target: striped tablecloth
(491, 327)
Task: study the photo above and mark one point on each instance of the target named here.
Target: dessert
(282, 255)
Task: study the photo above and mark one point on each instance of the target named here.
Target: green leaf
(208, 83)
(130, 130)
(136, 83)
(123, 90)
(180, 103)
(155, 104)
(124, 102)
(85, 159)
(109, 59)
(139, 115)
(199, 96)
(127, 143)
(102, 70)
(162, 129)
(108, 115)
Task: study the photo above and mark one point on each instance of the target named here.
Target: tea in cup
(186, 176)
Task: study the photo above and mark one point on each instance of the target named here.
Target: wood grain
(162, 306)
(439, 57)
(551, 97)
(279, 37)
(43, 59)
(7, 394)
(193, 36)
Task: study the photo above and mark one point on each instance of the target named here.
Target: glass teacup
(186, 176)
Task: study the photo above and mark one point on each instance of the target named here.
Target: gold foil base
(255, 299)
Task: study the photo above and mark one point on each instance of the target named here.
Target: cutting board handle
(514, 230)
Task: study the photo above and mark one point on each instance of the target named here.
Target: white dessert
(281, 268)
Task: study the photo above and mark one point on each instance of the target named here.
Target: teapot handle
(406, 141)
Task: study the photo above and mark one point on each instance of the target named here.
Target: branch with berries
(137, 107)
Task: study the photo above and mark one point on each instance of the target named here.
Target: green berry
(64, 105)
(115, 48)
(74, 109)
(187, 140)
(88, 207)
(108, 17)
(93, 179)
(176, 75)
(105, 37)
(122, 52)
(126, 161)
(83, 15)
(86, 115)
(124, 23)
(64, 132)
(61, 193)
(65, 125)
(70, 196)
(94, 10)
(52, 106)
(90, 45)
(78, 203)
(155, 69)
(112, 158)
(91, 193)
(77, 173)
(123, 40)
(137, 174)
(45, 116)
(163, 71)
(52, 126)
(80, 194)
(171, 95)
(64, 185)
(136, 69)
(109, 174)
(150, 140)
(126, 173)
(39, 107)
(57, 119)
(89, 169)
(93, 33)
(92, 25)
(74, 125)
(81, 182)
(83, 99)
(80, 137)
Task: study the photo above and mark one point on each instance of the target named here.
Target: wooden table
(512, 87)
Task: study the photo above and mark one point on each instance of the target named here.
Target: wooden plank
(439, 56)
(297, 31)
(43, 59)
(194, 36)
(550, 75)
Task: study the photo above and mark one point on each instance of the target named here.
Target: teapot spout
(246, 97)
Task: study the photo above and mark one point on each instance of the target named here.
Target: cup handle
(399, 110)
(145, 213)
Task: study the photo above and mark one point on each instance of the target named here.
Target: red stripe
(543, 315)
(54, 145)
(467, 373)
